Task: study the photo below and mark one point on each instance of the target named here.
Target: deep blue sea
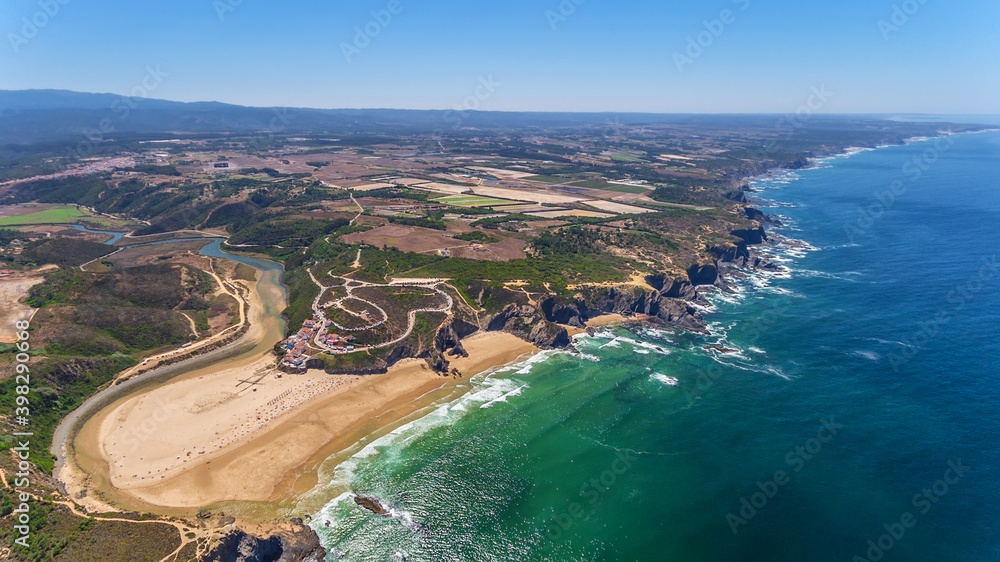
(859, 419)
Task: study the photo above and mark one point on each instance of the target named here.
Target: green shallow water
(645, 445)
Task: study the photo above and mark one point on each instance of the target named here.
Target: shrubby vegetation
(64, 251)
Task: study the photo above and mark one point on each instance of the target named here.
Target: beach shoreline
(258, 476)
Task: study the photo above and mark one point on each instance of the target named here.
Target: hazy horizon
(579, 56)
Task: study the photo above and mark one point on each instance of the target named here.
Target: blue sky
(546, 55)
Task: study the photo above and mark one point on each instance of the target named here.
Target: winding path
(350, 285)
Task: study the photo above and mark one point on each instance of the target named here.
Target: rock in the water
(372, 505)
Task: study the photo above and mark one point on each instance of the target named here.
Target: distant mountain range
(30, 116)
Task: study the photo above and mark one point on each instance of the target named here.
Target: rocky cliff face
(758, 215)
(707, 274)
(737, 253)
(751, 235)
(530, 324)
(627, 301)
(300, 544)
(450, 334)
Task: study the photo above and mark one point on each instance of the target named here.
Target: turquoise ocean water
(863, 403)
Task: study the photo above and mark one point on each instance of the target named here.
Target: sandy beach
(606, 320)
(245, 435)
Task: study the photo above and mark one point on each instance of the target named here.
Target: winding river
(267, 327)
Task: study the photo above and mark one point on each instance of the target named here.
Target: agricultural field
(615, 187)
(18, 215)
(406, 238)
(624, 157)
(473, 201)
(532, 196)
(45, 214)
(619, 208)
(571, 213)
(550, 179)
(442, 187)
(507, 249)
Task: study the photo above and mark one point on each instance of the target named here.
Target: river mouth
(85, 470)
(321, 432)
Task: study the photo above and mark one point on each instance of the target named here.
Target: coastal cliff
(296, 544)
(665, 299)
(542, 318)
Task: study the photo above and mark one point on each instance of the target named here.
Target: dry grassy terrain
(13, 291)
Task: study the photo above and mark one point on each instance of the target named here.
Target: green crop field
(596, 184)
(472, 201)
(625, 157)
(550, 179)
(62, 214)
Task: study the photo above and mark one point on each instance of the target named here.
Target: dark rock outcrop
(680, 313)
(458, 351)
(628, 301)
(298, 545)
(751, 235)
(738, 196)
(758, 215)
(529, 323)
(703, 274)
(436, 360)
(451, 333)
(672, 288)
(737, 253)
(562, 313)
(372, 505)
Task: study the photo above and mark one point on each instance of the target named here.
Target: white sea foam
(669, 381)
(892, 342)
(849, 276)
(870, 355)
(524, 367)
(516, 392)
(327, 517)
(486, 389)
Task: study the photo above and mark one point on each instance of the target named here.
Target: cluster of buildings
(336, 341)
(296, 346)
